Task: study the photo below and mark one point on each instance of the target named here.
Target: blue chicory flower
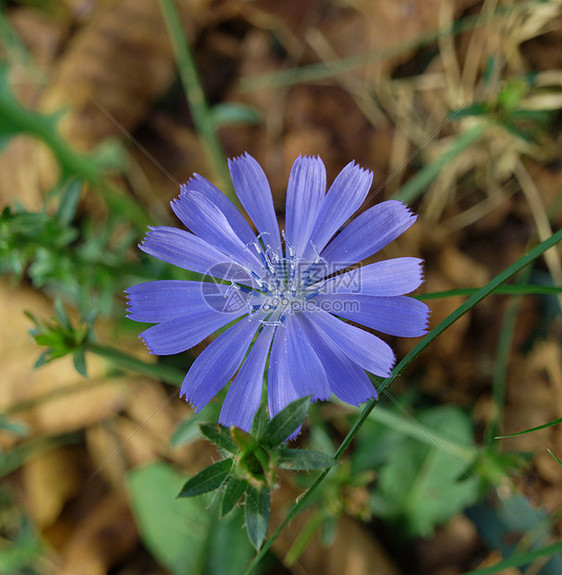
(289, 293)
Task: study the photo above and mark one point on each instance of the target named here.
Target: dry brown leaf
(107, 457)
(20, 180)
(43, 34)
(152, 411)
(139, 445)
(452, 543)
(118, 64)
(50, 480)
(101, 540)
(461, 269)
(534, 396)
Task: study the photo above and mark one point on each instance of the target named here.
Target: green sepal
(255, 462)
(220, 436)
(232, 493)
(303, 459)
(286, 422)
(257, 514)
(261, 420)
(209, 479)
(243, 440)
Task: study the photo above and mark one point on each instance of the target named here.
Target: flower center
(287, 284)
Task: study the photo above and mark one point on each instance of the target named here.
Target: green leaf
(476, 109)
(61, 314)
(69, 201)
(185, 535)
(418, 486)
(303, 459)
(286, 422)
(186, 431)
(257, 514)
(234, 490)
(219, 435)
(209, 479)
(228, 539)
(79, 361)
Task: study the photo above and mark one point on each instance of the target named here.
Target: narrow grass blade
(200, 111)
(516, 289)
(520, 559)
(544, 426)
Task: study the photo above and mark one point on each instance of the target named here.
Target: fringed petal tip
(190, 402)
(372, 395)
(365, 172)
(243, 156)
(143, 339)
(426, 327)
(295, 434)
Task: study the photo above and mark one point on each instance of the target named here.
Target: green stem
(515, 289)
(303, 538)
(415, 186)
(196, 97)
(121, 360)
(399, 369)
(500, 366)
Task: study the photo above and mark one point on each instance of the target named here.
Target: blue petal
(236, 220)
(362, 347)
(183, 332)
(244, 396)
(398, 315)
(386, 278)
(158, 301)
(190, 252)
(368, 233)
(305, 195)
(280, 389)
(206, 220)
(217, 363)
(347, 380)
(254, 193)
(344, 198)
(307, 373)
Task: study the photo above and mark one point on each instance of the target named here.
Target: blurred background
(455, 106)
